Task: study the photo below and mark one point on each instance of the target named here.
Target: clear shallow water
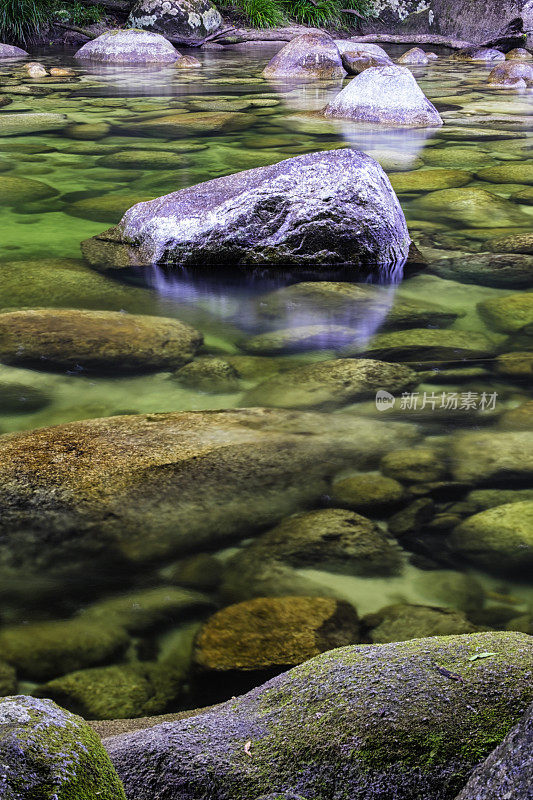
(99, 173)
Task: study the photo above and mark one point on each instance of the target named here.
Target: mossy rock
(106, 207)
(492, 456)
(293, 340)
(43, 650)
(22, 124)
(416, 465)
(499, 539)
(121, 691)
(428, 345)
(469, 158)
(329, 384)
(17, 398)
(145, 159)
(148, 486)
(401, 622)
(15, 191)
(8, 679)
(147, 609)
(499, 269)
(396, 720)
(428, 180)
(508, 314)
(69, 284)
(508, 173)
(274, 632)
(474, 208)
(516, 243)
(196, 123)
(48, 753)
(212, 375)
(101, 340)
(367, 491)
(339, 302)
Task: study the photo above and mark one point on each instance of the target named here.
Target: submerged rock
(414, 56)
(312, 55)
(183, 21)
(367, 491)
(415, 729)
(212, 375)
(492, 456)
(47, 752)
(511, 75)
(274, 632)
(401, 622)
(42, 650)
(424, 180)
(15, 190)
(333, 539)
(194, 123)
(8, 680)
(497, 269)
(499, 539)
(508, 771)
(477, 53)
(426, 344)
(386, 95)
(74, 339)
(120, 691)
(507, 314)
(356, 62)
(129, 46)
(416, 465)
(145, 486)
(21, 124)
(329, 384)
(474, 208)
(321, 209)
(18, 398)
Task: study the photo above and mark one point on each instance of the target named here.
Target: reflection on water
(134, 529)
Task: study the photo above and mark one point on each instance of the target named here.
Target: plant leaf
(481, 655)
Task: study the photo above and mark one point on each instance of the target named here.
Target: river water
(449, 321)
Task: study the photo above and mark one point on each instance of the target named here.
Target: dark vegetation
(22, 21)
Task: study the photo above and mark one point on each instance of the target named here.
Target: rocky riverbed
(265, 391)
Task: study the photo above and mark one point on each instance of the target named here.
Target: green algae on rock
(145, 486)
(330, 384)
(499, 539)
(74, 339)
(426, 345)
(47, 752)
(274, 632)
(508, 314)
(42, 650)
(365, 721)
(367, 491)
(401, 622)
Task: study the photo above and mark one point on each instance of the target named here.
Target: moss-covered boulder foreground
(47, 753)
(397, 721)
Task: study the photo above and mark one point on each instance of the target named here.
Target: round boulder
(182, 21)
(512, 75)
(277, 632)
(414, 56)
(315, 210)
(386, 95)
(478, 53)
(312, 55)
(47, 752)
(499, 539)
(129, 46)
(9, 51)
(70, 339)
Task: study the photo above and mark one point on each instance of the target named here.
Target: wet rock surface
(401, 101)
(312, 55)
(296, 722)
(44, 748)
(283, 215)
(129, 47)
(102, 340)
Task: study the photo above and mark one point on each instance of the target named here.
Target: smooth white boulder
(129, 47)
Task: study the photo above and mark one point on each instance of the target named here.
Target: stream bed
(463, 323)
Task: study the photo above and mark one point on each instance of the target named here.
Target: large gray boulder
(47, 752)
(10, 51)
(400, 720)
(312, 55)
(507, 774)
(129, 46)
(476, 21)
(183, 21)
(316, 210)
(387, 95)
(142, 487)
